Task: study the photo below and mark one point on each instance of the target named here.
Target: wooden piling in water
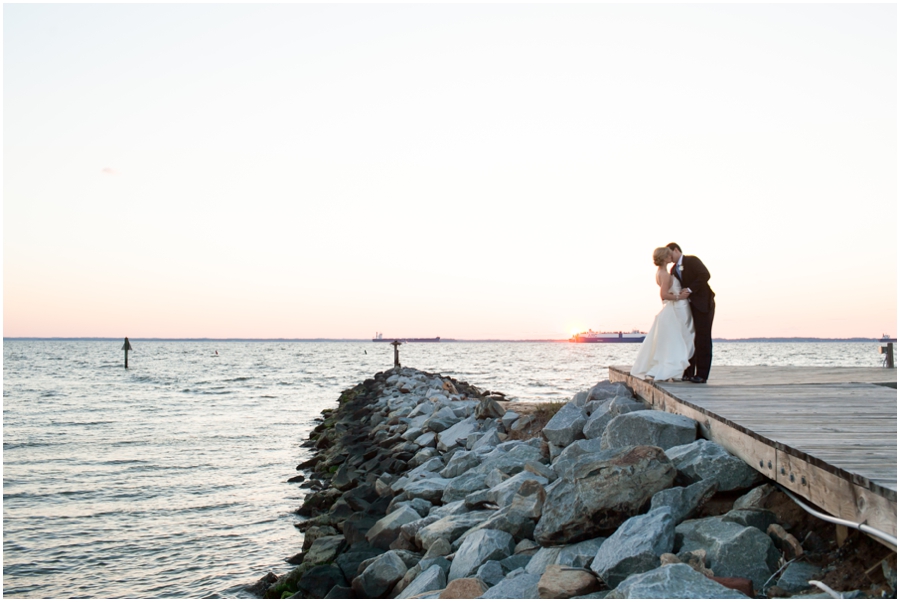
(396, 345)
(127, 348)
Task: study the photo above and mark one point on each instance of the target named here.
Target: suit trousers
(701, 361)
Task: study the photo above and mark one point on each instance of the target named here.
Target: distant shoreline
(323, 340)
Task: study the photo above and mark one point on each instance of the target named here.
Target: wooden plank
(837, 496)
(792, 375)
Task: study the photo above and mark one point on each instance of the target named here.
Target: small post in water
(888, 351)
(127, 348)
(396, 345)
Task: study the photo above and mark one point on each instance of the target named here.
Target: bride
(668, 347)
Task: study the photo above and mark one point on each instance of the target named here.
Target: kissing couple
(679, 344)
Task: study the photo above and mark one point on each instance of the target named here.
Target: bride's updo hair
(660, 256)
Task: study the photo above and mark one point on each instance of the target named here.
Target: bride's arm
(665, 283)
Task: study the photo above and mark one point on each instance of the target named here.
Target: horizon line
(361, 340)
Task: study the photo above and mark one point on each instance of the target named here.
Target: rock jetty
(422, 486)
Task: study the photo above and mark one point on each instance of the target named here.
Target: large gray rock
(411, 528)
(508, 520)
(635, 547)
(508, 419)
(566, 425)
(410, 434)
(649, 427)
(423, 455)
(456, 434)
(459, 487)
(438, 549)
(380, 576)
(491, 572)
(752, 517)
(672, 581)
(319, 580)
(624, 405)
(432, 466)
(529, 498)
(600, 416)
(385, 531)
(325, 549)
(486, 442)
(503, 494)
(425, 440)
(495, 477)
(581, 554)
(757, 497)
(426, 408)
(522, 586)
(460, 463)
(602, 412)
(451, 527)
(350, 561)
(602, 492)
(704, 459)
(431, 490)
(478, 548)
(429, 580)
(441, 420)
(579, 399)
(489, 408)
(521, 423)
(563, 463)
(427, 563)
(409, 558)
(543, 558)
(510, 459)
(541, 469)
(796, 576)
(607, 390)
(683, 502)
(449, 509)
(732, 550)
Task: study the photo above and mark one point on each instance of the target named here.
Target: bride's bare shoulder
(661, 276)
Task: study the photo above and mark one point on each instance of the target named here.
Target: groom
(694, 277)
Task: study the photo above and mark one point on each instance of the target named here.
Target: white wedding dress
(669, 345)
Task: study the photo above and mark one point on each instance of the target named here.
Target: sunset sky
(463, 171)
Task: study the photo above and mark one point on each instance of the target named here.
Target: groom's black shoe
(698, 380)
(686, 378)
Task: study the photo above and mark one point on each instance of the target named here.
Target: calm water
(168, 479)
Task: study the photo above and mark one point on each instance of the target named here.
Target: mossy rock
(351, 394)
(287, 583)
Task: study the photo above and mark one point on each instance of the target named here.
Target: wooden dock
(827, 434)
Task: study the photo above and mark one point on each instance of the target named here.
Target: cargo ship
(635, 336)
(379, 338)
(886, 338)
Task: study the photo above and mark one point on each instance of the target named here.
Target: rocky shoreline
(422, 486)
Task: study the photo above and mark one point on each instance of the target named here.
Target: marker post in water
(396, 345)
(127, 348)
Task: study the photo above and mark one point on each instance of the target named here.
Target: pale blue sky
(456, 170)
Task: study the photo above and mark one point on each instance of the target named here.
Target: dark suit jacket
(695, 276)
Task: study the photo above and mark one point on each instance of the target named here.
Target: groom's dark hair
(673, 246)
